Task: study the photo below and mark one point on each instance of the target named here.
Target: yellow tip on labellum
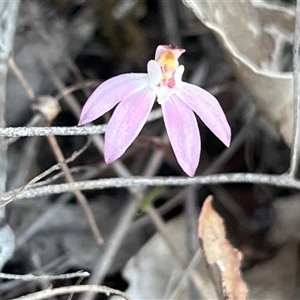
(169, 63)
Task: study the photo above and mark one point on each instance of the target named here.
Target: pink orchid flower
(136, 94)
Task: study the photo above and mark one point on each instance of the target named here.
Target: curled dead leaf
(218, 251)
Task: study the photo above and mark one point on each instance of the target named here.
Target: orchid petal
(183, 132)
(126, 122)
(110, 93)
(154, 72)
(207, 107)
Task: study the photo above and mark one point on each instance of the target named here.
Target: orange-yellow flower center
(168, 63)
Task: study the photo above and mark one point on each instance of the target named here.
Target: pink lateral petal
(126, 122)
(110, 93)
(183, 132)
(207, 107)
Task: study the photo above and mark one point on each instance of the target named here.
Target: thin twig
(8, 23)
(22, 79)
(73, 170)
(64, 131)
(36, 119)
(30, 277)
(295, 151)
(47, 131)
(73, 289)
(283, 181)
(79, 195)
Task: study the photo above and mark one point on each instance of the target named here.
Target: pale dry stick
(19, 74)
(64, 131)
(10, 287)
(295, 150)
(73, 170)
(284, 181)
(79, 195)
(54, 130)
(31, 277)
(36, 119)
(73, 289)
(8, 23)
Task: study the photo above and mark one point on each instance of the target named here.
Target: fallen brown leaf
(218, 251)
